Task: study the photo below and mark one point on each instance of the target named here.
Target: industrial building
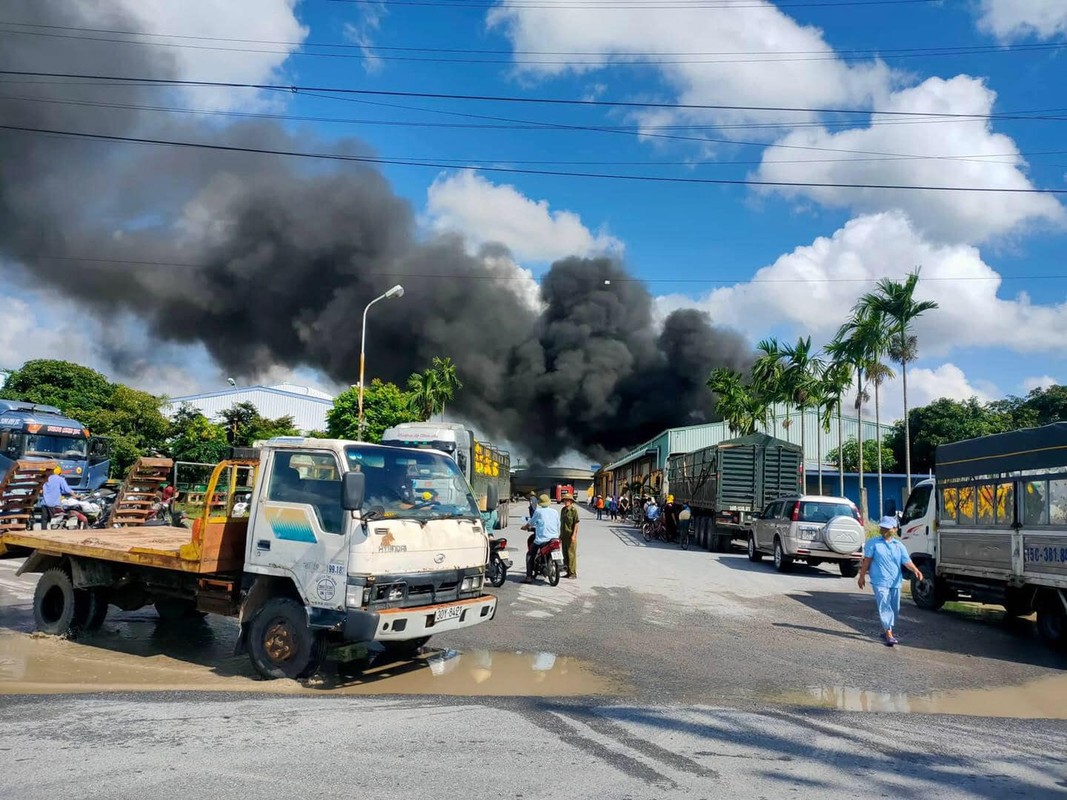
(305, 405)
(647, 462)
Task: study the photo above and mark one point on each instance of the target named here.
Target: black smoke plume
(269, 261)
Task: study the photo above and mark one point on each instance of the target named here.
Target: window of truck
(966, 505)
(39, 444)
(949, 504)
(1057, 502)
(1035, 503)
(918, 503)
(413, 484)
(309, 479)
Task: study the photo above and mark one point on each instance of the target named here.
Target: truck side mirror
(492, 497)
(353, 489)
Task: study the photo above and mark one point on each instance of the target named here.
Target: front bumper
(401, 624)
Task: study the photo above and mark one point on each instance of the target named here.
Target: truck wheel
(754, 555)
(1052, 621)
(59, 608)
(174, 609)
(849, 569)
(99, 600)
(929, 593)
(1016, 604)
(280, 643)
(408, 649)
(782, 562)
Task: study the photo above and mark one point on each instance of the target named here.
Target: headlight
(471, 584)
(354, 597)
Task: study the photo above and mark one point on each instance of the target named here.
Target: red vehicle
(561, 489)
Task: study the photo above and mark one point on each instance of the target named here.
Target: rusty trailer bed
(217, 546)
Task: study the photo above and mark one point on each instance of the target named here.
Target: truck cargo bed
(220, 549)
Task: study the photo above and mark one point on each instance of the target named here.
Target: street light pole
(396, 291)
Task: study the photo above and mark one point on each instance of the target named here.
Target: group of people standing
(612, 505)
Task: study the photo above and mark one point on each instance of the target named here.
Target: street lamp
(396, 291)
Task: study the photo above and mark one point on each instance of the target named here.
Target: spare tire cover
(843, 535)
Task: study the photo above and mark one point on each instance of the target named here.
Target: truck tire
(754, 555)
(99, 600)
(782, 562)
(1052, 621)
(1018, 603)
(929, 593)
(280, 643)
(849, 569)
(58, 608)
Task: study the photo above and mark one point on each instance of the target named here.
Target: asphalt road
(657, 673)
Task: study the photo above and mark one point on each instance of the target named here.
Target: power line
(600, 60)
(295, 89)
(986, 158)
(460, 276)
(851, 52)
(634, 4)
(521, 171)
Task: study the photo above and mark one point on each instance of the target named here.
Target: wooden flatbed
(215, 546)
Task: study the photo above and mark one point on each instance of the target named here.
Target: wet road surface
(675, 654)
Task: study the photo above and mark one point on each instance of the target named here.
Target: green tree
(244, 425)
(849, 455)
(448, 382)
(384, 405)
(941, 422)
(193, 437)
(134, 422)
(837, 379)
(425, 392)
(768, 381)
(739, 405)
(896, 300)
(1043, 406)
(72, 388)
(800, 380)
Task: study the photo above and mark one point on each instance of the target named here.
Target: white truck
(992, 526)
(342, 543)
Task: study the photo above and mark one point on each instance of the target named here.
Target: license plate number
(557, 555)
(452, 612)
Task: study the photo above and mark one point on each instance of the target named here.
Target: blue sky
(766, 261)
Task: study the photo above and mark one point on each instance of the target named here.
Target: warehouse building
(305, 405)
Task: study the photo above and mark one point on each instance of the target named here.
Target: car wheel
(849, 569)
(782, 562)
(754, 555)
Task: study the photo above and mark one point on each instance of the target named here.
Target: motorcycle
(548, 560)
(499, 562)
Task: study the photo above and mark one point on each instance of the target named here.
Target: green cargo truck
(727, 484)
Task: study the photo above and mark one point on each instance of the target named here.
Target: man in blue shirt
(545, 526)
(55, 489)
(884, 558)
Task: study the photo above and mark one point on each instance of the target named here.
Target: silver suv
(810, 528)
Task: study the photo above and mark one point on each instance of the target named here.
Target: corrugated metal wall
(308, 413)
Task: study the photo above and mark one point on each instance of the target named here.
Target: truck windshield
(412, 483)
(917, 503)
(61, 446)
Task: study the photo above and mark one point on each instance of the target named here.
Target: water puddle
(38, 664)
(1041, 699)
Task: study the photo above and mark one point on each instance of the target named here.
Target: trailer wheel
(58, 608)
(1052, 621)
(280, 643)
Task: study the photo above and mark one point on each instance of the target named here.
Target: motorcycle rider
(545, 525)
(55, 489)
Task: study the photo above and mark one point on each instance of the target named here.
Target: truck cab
(43, 433)
(918, 526)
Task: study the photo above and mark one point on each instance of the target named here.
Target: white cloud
(928, 384)
(488, 212)
(1019, 19)
(266, 20)
(746, 37)
(973, 156)
(363, 30)
(1040, 382)
(812, 289)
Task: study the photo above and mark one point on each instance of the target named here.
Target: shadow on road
(987, 634)
(740, 562)
(632, 537)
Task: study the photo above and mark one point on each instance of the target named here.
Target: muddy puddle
(1041, 699)
(37, 664)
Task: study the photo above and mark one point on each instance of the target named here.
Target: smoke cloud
(279, 256)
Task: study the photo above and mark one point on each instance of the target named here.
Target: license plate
(557, 555)
(452, 612)
(503, 555)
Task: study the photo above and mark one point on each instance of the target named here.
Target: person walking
(599, 508)
(611, 506)
(885, 558)
(568, 527)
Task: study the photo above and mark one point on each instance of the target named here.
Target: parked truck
(991, 526)
(727, 484)
(44, 433)
(482, 464)
(343, 543)
(561, 490)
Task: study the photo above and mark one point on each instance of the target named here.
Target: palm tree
(739, 405)
(799, 380)
(447, 379)
(878, 374)
(896, 300)
(767, 379)
(837, 378)
(425, 392)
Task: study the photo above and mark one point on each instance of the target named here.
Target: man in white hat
(884, 558)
